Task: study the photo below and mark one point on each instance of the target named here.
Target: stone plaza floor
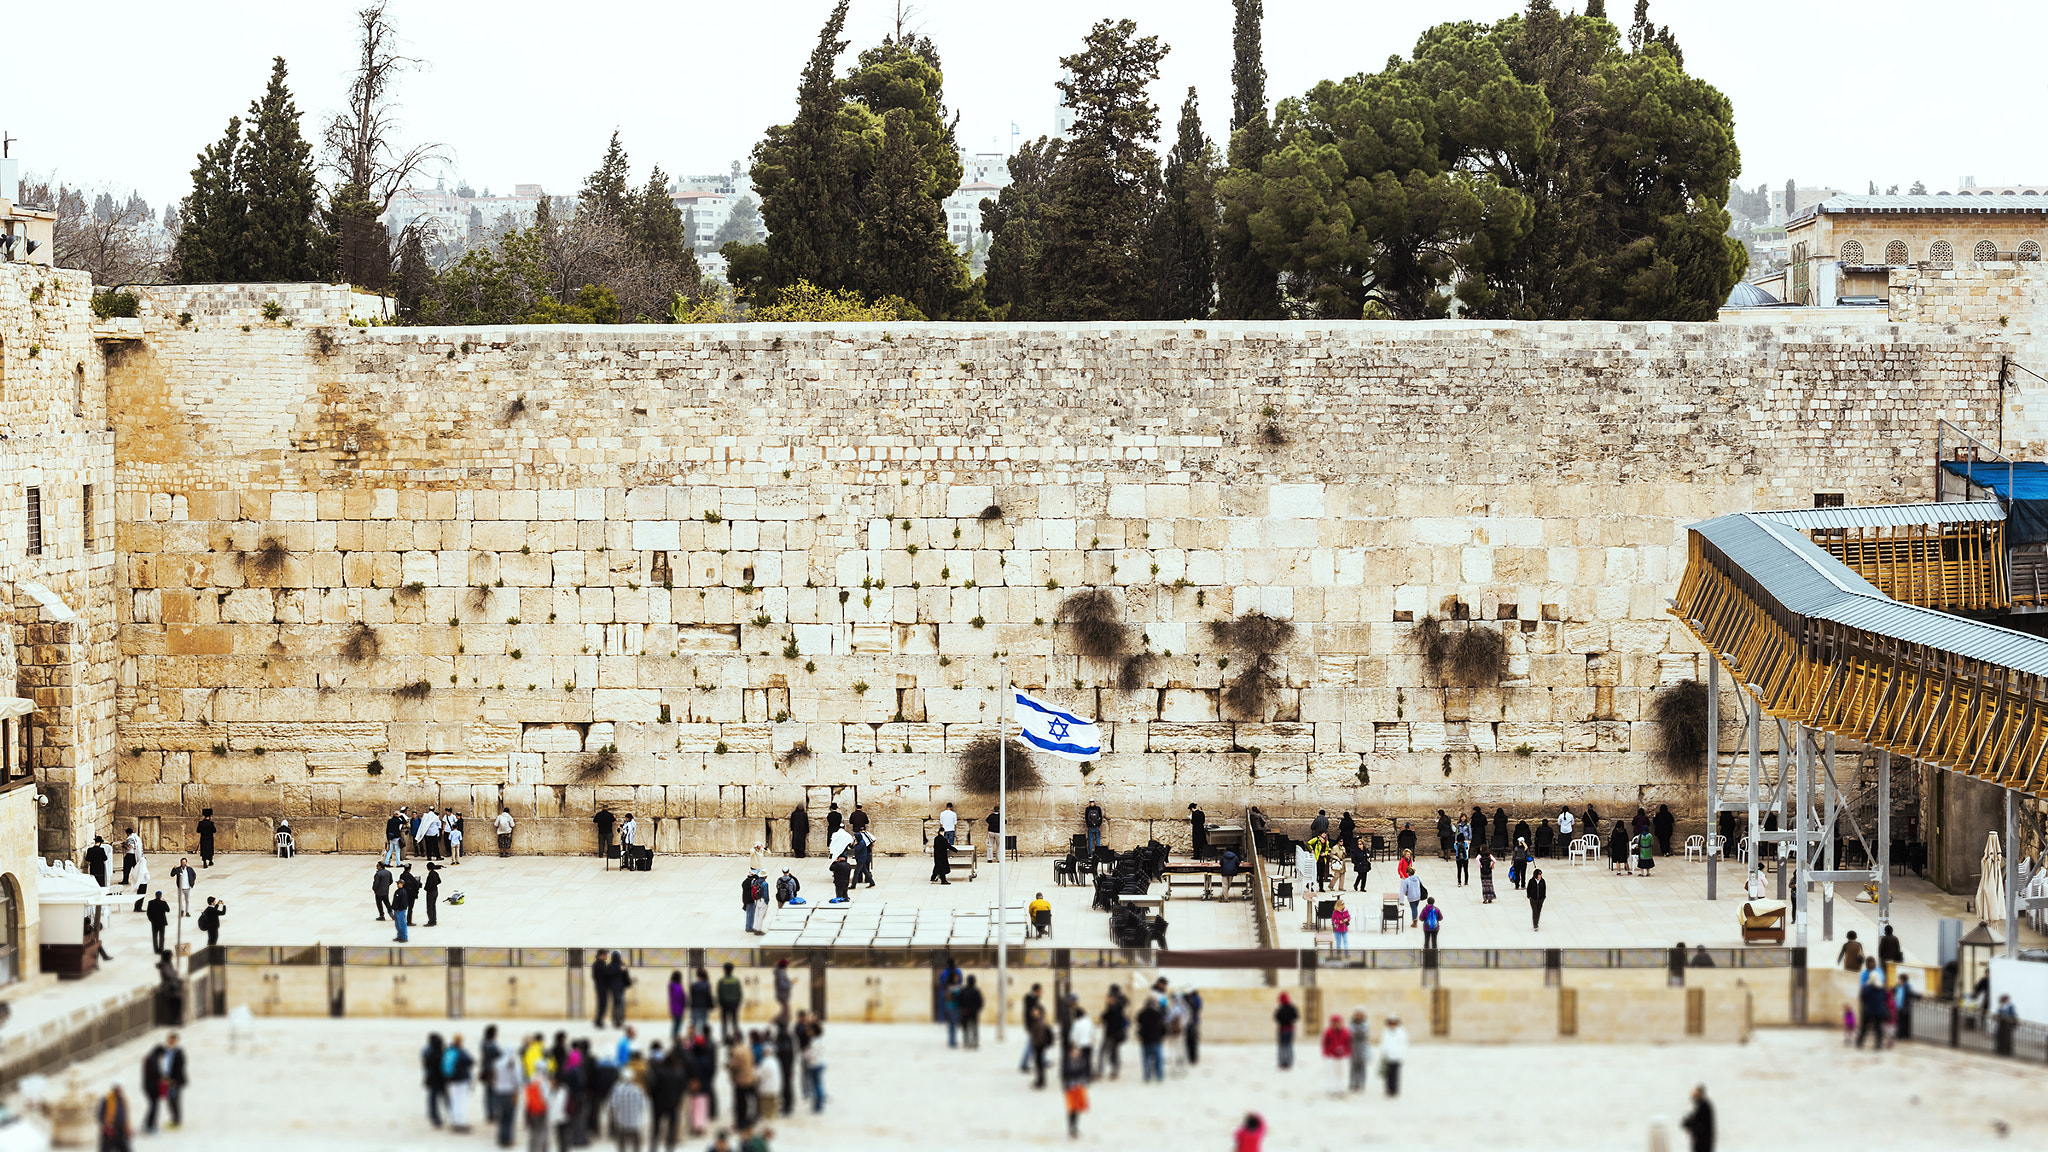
(354, 1084)
(693, 901)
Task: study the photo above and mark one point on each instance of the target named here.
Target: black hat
(206, 812)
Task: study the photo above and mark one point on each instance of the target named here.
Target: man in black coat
(601, 984)
(1198, 823)
(941, 858)
(380, 889)
(163, 1080)
(604, 821)
(206, 832)
(1700, 1121)
(159, 911)
(833, 819)
(433, 888)
(858, 822)
(799, 830)
(1538, 892)
(97, 859)
(209, 920)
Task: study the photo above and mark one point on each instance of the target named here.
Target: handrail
(1267, 927)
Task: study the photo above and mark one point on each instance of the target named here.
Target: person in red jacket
(1251, 1134)
(1336, 1055)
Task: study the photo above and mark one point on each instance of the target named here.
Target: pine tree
(208, 248)
(1597, 9)
(361, 242)
(1248, 283)
(415, 276)
(1187, 270)
(282, 239)
(605, 191)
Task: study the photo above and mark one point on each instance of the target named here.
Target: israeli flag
(1063, 734)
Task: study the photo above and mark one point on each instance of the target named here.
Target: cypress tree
(604, 193)
(1249, 284)
(282, 239)
(1597, 9)
(208, 248)
(1187, 270)
(1097, 259)
(656, 225)
(802, 174)
(904, 250)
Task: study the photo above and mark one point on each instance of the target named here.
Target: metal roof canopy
(1807, 581)
(1886, 515)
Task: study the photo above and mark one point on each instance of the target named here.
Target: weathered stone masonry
(572, 539)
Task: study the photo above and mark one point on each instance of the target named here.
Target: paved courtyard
(694, 901)
(354, 1084)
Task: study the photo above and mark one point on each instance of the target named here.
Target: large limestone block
(1166, 737)
(1276, 738)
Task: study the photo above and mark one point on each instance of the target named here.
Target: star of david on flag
(1063, 734)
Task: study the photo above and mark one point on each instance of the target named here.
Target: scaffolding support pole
(1827, 844)
(1756, 771)
(1713, 767)
(1802, 812)
(1884, 839)
(1778, 802)
(2012, 877)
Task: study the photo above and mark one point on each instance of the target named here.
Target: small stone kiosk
(71, 903)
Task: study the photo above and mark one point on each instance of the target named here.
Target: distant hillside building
(1802, 199)
(1844, 248)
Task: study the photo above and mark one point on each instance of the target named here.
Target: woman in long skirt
(1486, 877)
(1617, 848)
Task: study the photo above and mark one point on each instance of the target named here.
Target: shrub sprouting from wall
(978, 767)
(1131, 674)
(266, 559)
(1473, 656)
(1256, 638)
(417, 690)
(1094, 627)
(1680, 713)
(360, 644)
(602, 762)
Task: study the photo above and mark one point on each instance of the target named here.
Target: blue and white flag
(1048, 729)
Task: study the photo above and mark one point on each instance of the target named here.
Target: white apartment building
(447, 215)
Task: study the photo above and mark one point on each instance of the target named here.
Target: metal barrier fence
(1945, 1022)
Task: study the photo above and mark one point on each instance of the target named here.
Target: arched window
(10, 924)
(1984, 252)
(1852, 252)
(2028, 251)
(1941, 254)
(1895, 253)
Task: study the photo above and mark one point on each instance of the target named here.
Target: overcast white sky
(526, 92)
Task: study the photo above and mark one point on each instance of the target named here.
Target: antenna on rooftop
(5, 140)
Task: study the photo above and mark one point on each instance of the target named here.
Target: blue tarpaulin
(2021, 487)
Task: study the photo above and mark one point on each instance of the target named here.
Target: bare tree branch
(362, 141)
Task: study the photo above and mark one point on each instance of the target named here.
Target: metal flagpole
(1002, 856)
(1713, 767)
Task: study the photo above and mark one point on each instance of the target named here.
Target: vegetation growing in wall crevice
(515, 408)
(417, 690)
(798, 753)
(992, 512)
(1131, 674)
(1095, 628)
(1257, 638)
(266, 559)
(478, 598)
(1474, 656)
(602, 762)
(979, 770)
(1680, 713)
(360, 644)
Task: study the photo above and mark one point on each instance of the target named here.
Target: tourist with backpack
(458, 1068)
(1432, 919)
(750, 901)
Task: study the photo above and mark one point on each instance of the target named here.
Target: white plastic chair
(1695, 846)
(286, 846)
(1717, 845)
(1576, 852)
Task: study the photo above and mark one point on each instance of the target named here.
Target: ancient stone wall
(771, 565)
(57, 597)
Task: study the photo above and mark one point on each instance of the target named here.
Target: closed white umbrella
(1991, 883)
